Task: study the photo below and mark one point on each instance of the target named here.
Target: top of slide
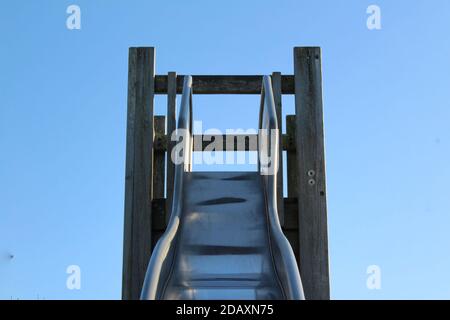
(224, 239)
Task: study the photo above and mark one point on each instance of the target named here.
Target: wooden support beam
(171, 126)
(231, 84)
(277, 96)
(161, 142)
(138, 175)
(159, 160)
(312, 209)
(290, 228)
(159, 223)
(291, 161)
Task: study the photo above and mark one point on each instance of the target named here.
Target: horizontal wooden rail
(230, 84)
(242, 142)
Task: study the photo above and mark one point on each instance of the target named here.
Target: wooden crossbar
(224, 84)
(241, 142)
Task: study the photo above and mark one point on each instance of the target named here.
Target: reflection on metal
(224, 239)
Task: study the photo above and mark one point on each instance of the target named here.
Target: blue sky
(63, 124)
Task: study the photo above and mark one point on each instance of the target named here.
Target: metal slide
(224, 239)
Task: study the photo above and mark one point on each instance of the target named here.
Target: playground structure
(244, 219)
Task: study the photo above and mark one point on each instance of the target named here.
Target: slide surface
(224, 247)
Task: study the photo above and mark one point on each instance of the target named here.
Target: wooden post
(290, 227)
(171, 126)
(312, 210)
(291, 161)
(277, 96)
(159, 162)
(138, 175)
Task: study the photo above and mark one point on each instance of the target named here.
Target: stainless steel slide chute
(224, 239)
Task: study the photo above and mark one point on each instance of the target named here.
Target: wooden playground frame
(149, 176)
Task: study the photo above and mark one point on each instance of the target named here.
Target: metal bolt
(311, 173)
(311, 182)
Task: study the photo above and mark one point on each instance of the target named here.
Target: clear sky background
(63, 98)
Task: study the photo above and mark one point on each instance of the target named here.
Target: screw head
(311, 182)
(311, 173)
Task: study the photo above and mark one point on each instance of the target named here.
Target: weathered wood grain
(226, 84)
(159, 158)
(171, 126)
(138, 175)
(291, 157)
(159, 223)
(313, 235)
(207, 139)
